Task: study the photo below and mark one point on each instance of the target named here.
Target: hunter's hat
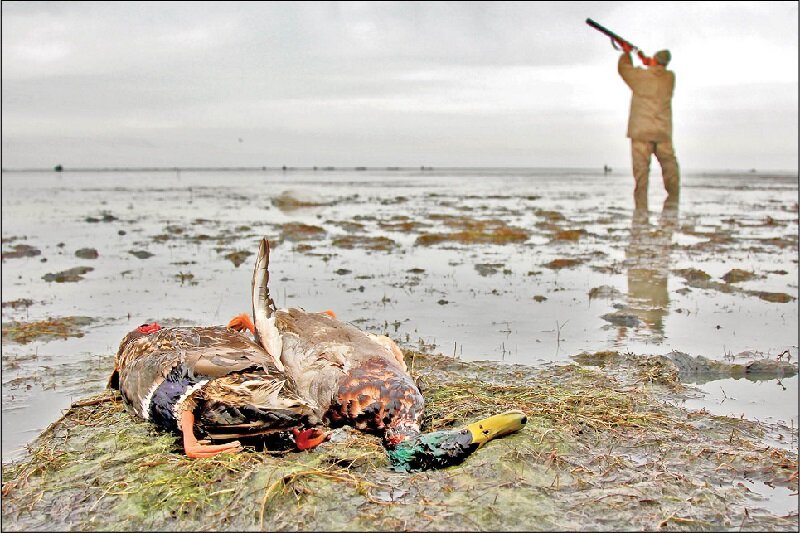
(663, 57)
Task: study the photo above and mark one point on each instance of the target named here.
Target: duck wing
(214, 352)
(353, 376)
(231, 381)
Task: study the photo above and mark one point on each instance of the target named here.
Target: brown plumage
(360, 379)
(354, 377)
(212, 381)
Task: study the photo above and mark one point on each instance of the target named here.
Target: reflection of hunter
(647, 258)
(650, 118)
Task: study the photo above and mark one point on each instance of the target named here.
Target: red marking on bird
(149, 328)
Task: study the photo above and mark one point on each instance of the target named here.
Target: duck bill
(441, 449)
(496, 426)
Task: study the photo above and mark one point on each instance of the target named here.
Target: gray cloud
(497, 83)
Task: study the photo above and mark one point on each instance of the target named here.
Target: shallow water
(474, 301)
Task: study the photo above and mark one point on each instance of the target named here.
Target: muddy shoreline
(527, 267)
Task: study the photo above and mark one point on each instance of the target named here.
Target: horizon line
(285, 168)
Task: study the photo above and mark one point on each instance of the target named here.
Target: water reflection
(647, 260)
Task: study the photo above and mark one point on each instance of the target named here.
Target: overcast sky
(405, 83)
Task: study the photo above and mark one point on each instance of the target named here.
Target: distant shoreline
(223, 169)
(422, 168)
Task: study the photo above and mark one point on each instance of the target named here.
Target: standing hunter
(650, 122)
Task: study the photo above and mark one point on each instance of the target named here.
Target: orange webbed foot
(242, 322)
(198, 450)
(330, 313)
(308, 438)
(195, 449)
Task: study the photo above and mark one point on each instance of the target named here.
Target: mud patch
(185, 277)
(19, 303)
(701, 280)
(622, 319)
(104, 216)
(140, 254)
(604, 291)
(488, 269)
(695, 369)
(87, 253)
(68, 276)
(21, 250)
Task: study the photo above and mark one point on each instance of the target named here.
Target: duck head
(439, 449)
(142, 331)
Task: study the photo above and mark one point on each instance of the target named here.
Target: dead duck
(360, 379)
(212, 381)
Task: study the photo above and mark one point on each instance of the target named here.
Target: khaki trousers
(641, 152)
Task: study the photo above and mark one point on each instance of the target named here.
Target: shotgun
(616, 39)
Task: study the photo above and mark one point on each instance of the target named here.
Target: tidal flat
(525, 267)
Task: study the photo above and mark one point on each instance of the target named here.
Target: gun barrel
(603, 29)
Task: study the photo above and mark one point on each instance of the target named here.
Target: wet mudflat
(515, 266)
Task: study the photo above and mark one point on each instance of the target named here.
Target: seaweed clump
(699, 279)
(296, 231)
(474, 231)
(68, 276)
(237, 257)
(21, 250)
(362, 241)
(288, 201)
(52, 328)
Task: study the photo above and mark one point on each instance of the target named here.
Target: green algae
(473, 231)
(601, 450)
(558, 264)
(692, 274)
(288, 201)
(141, 254)
(21, 250)
(553, 216)
(569, 234)
(237, 257)
(23, 303)
(737, 275)
(701, 280)
(402, 224)
(68, 276)
(87, 253)
(45, 330)
(366, 242)
(296, 231)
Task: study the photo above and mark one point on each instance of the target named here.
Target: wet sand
(521, 266)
